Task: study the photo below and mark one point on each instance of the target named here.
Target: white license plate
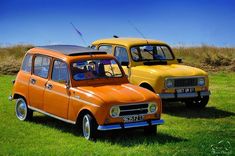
(185, 90)
(133, 118)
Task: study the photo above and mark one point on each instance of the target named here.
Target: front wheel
(89, 127)
(199, 102)
(150, 130)
(23, 113)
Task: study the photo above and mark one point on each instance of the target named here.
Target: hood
(172, 70)
(118, 94)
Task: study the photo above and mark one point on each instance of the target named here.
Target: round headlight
(114, 111)
(201, 81)
(169, 83)
(152, 107)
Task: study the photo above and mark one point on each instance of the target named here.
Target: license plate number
(133, 118)
(185, 90)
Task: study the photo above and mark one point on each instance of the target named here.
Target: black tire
(150, 130)
(23, 113)
(89, 127)
(199, 102)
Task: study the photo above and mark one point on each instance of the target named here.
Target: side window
(106, 48)
(121, 54)
(41, 66)
(60, 72)
(27, 63)
(93, 47)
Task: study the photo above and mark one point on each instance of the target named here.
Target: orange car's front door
(56, 96)
(38, 81)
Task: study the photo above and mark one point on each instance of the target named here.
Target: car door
(122, 56)
(38, 80)
(56, 96)
(25, 74)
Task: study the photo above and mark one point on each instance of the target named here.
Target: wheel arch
(17, 95)
(146, 85)
(81, 114)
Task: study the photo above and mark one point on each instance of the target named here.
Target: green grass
(185, 132)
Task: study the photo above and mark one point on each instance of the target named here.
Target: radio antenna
(136, 29)
(79, 33)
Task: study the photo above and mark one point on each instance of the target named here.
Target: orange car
(82, 86)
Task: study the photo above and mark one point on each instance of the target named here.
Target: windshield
(151, 52)
(93, 69)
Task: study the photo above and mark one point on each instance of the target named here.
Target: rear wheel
(23, 113)
(200, 102)
(89, 127)
(150, 130)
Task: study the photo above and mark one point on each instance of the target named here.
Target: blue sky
(177, 22)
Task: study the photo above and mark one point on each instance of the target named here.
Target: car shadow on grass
(128, 137)
(180, 110)
(55, 123)
(135, 137)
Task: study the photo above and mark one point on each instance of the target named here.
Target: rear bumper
(184, 95)
(10, 98)
(130, 125)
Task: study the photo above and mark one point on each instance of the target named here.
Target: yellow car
(152, 64)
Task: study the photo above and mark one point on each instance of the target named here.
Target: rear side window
(60, 72)
(41, 66)
(27, 63)
(121, 54)
(106, 48)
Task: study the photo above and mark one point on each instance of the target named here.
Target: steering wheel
(109, 74)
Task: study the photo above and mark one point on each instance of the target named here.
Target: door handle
(33, 81)
(49, 86)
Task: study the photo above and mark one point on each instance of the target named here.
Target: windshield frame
(99, 78)
(170, 50)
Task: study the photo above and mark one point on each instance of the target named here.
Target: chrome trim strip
(187, 95)
(109, 127)
(137, 109)
(157, 122)
(51, 115)
(136, 124)
(130, 125)
(166, 95)
(205, 93)
(138, 103)
(183, 95)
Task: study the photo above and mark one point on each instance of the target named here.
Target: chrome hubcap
(86, 127)
(21, 109)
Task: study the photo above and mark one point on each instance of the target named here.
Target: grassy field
(185, 132)
(206, 57)
(209, 58)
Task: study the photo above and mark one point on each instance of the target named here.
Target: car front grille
(185, 82)
(133, 109)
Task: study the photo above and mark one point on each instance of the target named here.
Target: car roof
(71, 50)
(127, 41)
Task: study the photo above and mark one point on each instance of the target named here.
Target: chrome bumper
(10, 98)
(184, 95)
(129, 125)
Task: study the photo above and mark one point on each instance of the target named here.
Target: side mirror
(180, 60)
(125, 63)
